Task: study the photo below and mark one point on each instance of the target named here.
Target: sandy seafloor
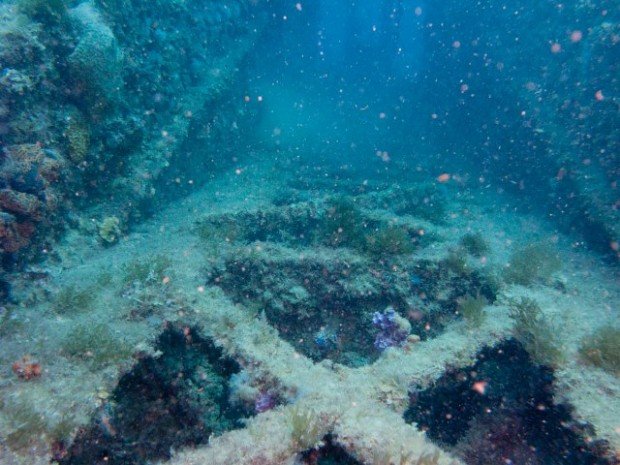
(584, 295)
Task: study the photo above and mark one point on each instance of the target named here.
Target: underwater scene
(309, 232)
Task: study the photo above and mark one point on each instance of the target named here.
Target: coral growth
(26, 369)
(253, 392)
(109, 230)
(322, 289)
(96, 62)
(220, 231)
(13, 237)
(20, 46)
(393, 329)
(265, 401)
(15, 82)
(77, 134)
(91, 81)
(290, 279)
(28, 198)
(21, 204)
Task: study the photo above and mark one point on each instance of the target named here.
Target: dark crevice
(324, 306)
(328, 454)
(177, 399)
(501, 410)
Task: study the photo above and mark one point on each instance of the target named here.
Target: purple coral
(391, 333)
(265, 401)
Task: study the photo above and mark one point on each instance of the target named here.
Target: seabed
(174, 275)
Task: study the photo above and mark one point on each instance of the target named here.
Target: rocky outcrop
(115, 92)
(29, 195)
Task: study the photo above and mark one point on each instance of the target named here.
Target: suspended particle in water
(480, 387)
(556, 48)
(383, 155)
(576, 36)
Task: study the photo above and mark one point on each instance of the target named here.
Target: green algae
(97, 344)
(456, 262)
(475, 244)
(148, 270)
(306, 428)
(389, 241)
(28, 423)
(532, 263)
(226, 229)
(472, 309)
(343, 224)
(72, 300)
(536, 333)
(602, 349)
